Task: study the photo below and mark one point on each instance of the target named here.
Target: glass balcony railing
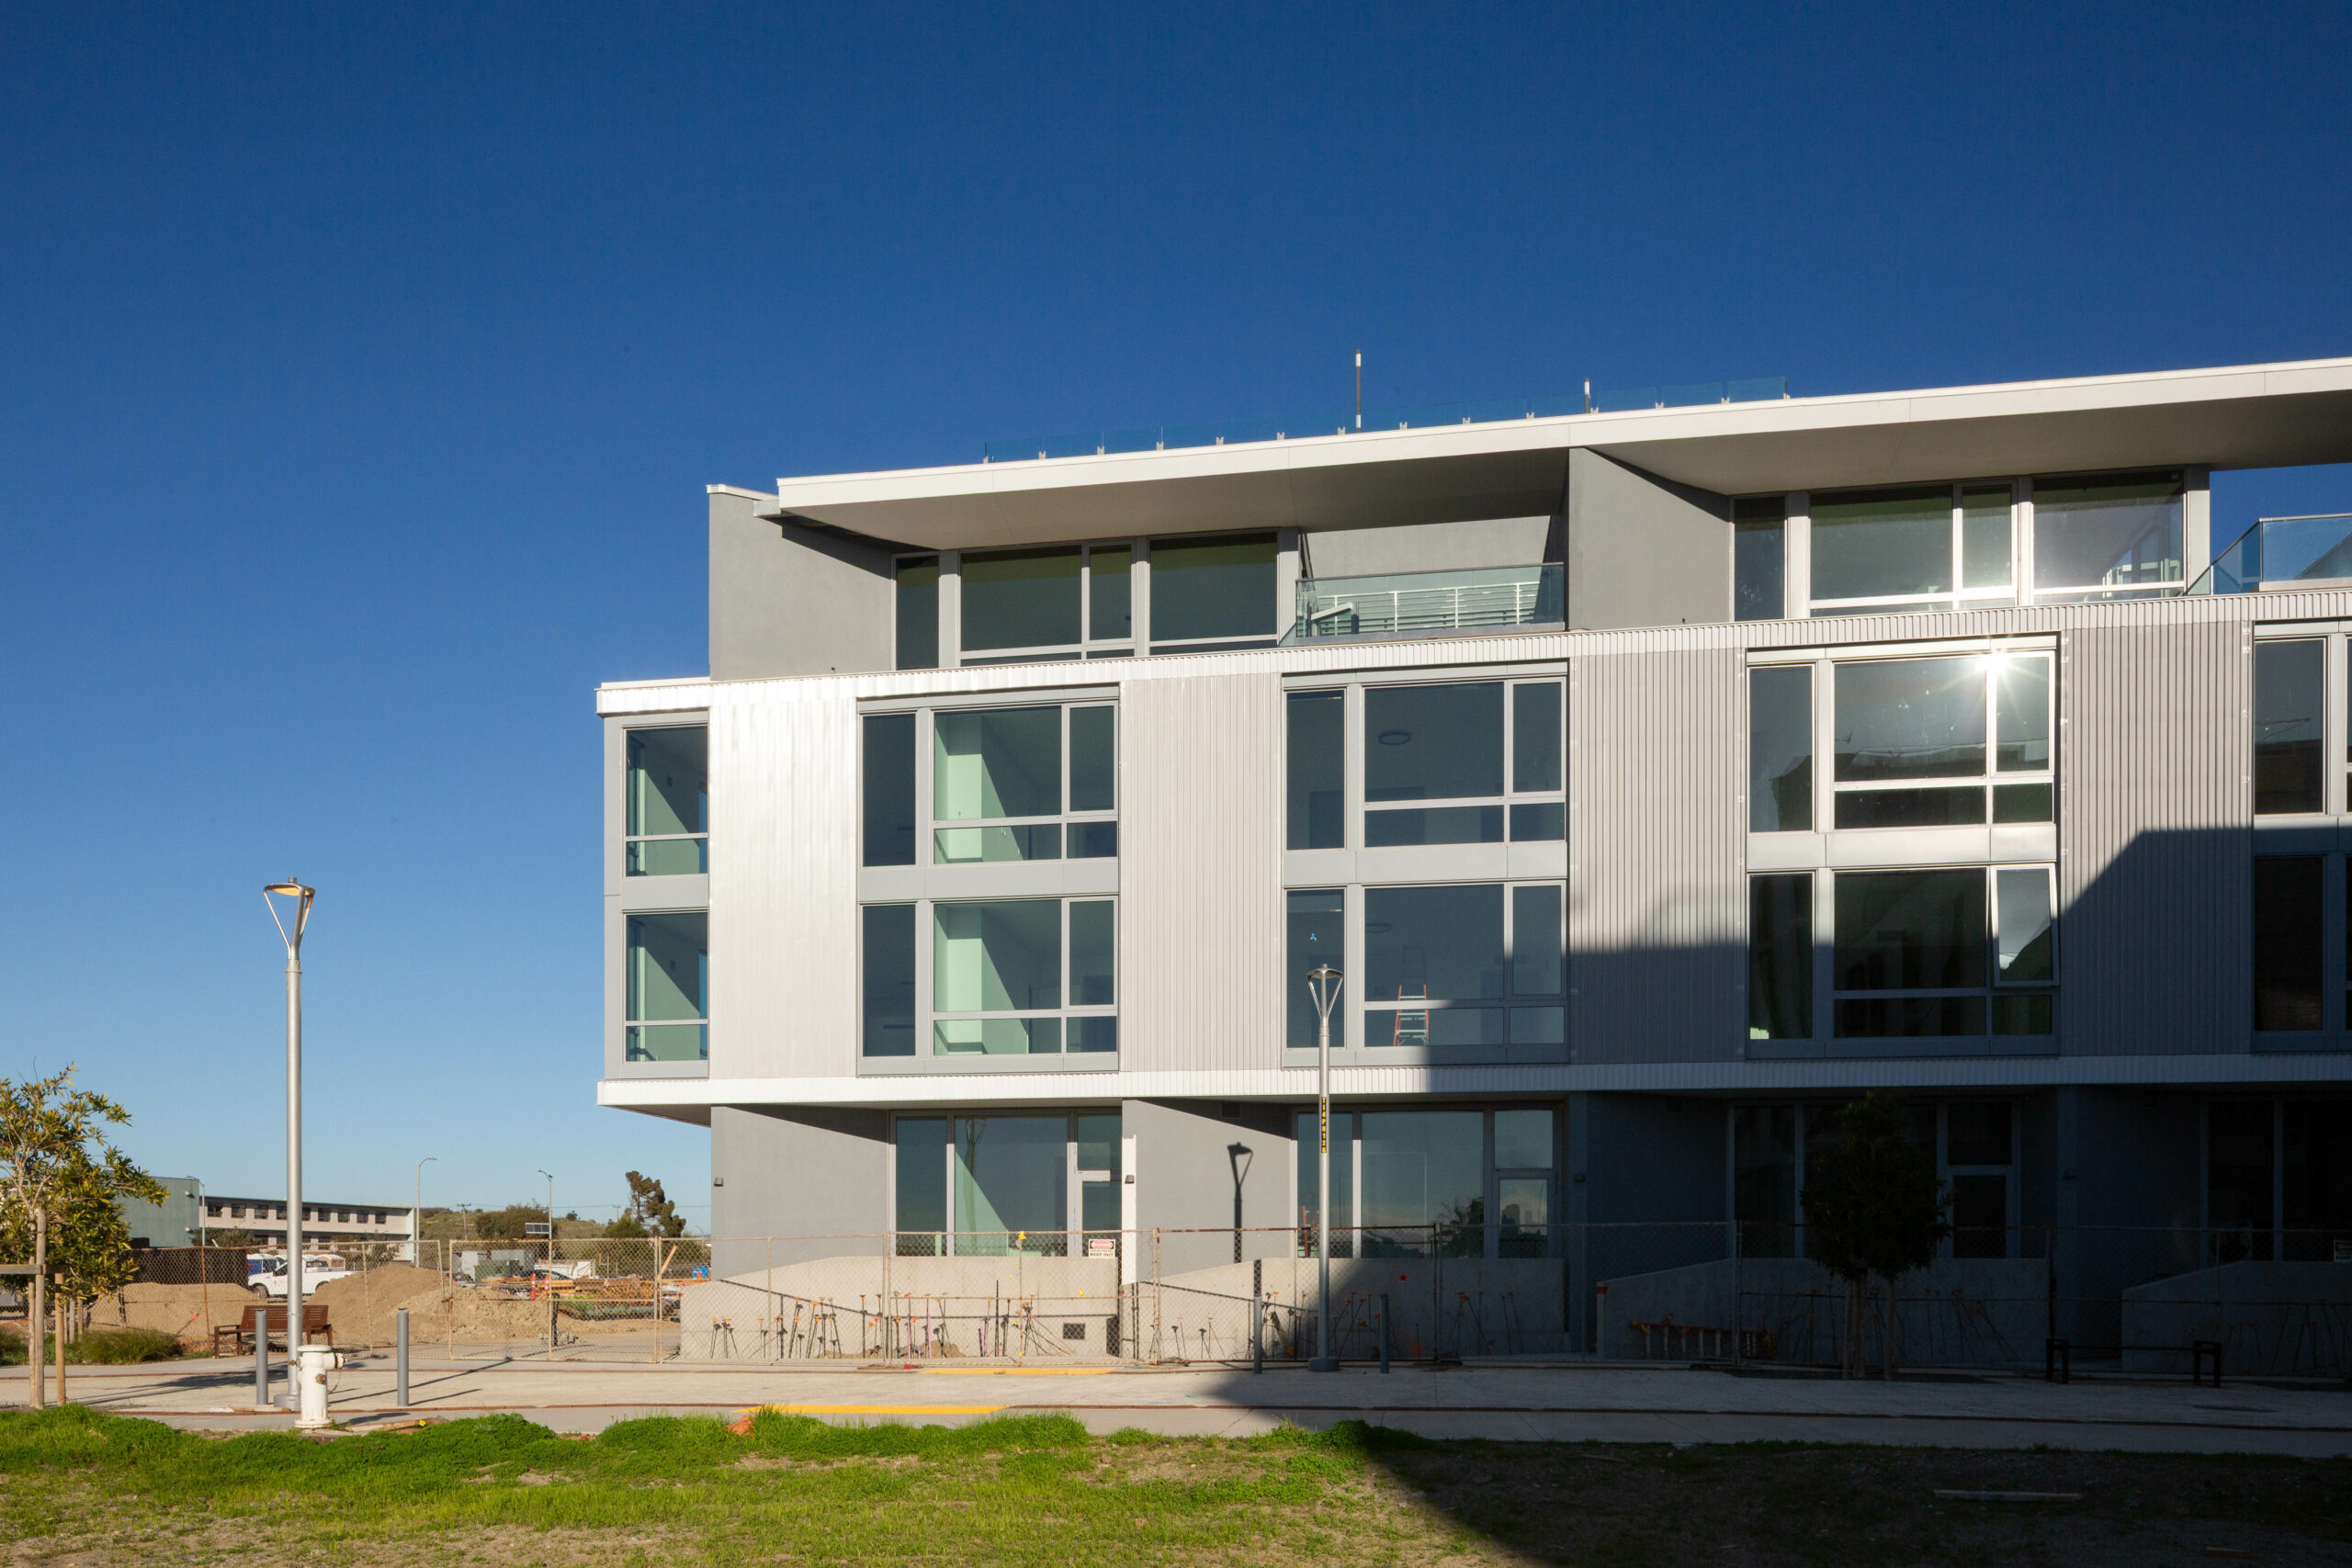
(2283, 552)
(1426, 416)
(1422, 603)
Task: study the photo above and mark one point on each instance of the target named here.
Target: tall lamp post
(289, 907)
(549, 1175)
(1323, 984)
(416, 1215)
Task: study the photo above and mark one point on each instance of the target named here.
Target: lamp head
(1323, 983)
(301, 896)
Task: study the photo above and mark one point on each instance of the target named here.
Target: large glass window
(1881, 546)
(1424, 1183)
(887, 768)
(1443, 748)
(2240, 1179)
(918, 613)
(887, 962)
(2289, 706)
(997, 790)
(1943, 741)
(1057, 602)
(1779, 956)
(1021, 599)
(1318, 935)
(1442, 963)
(1008, 1175)
(1315, 796)
(1217, 589)
(1912, 547)
(667, 802)
(998, 977)
(1456, 1182)
(920, 1169)
(990, 1185)
(668, 986)
(2107, 536)
(1780, 749)
(2288, 922)
(1964, 951)
(1758, 557)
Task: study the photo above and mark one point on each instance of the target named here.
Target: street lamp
(416, 1215)
(1323, 984)
(290, 919)
(550, 1214)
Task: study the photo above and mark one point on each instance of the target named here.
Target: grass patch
(98, 1489)
(97, 1347)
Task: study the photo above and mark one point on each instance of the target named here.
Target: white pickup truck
(266, 1273)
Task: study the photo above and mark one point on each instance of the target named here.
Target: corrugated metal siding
(1655, 925)
(784, 879)
(2155, 812)
(1200, 873)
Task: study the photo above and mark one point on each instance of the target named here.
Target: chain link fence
(2149, 1299)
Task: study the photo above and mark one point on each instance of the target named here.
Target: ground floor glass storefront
(1455, 1183)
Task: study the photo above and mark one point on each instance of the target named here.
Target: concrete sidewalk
(1551, 1402)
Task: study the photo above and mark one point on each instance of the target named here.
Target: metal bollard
(1384, 1331)
(1258, 1315)
(261, 1357)
(400, 1356)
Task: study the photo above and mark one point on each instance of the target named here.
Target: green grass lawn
(87, 1488)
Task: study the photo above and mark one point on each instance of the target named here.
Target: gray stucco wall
(1643, 551)
(785, 600)
(798, 1173)
(1190, 1162)
(1428, 547)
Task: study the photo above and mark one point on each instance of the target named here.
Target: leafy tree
(59, 1181)
(1872, 1207)
(650, 1208)
(628, 1228)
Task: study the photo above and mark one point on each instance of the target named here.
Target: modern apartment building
(1657, 778)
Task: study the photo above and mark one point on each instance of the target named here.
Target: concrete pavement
(1510, 1402)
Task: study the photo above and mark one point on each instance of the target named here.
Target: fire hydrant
(311, 1364)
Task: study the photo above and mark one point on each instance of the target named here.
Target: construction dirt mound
(361, 1306)
(191, 1312)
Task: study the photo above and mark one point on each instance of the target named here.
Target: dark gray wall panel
(813, 1173)
(2155, 868)
(1191, 1161)
(1656, 916)
(1644, 551)
(1428, 547)
(786, 600)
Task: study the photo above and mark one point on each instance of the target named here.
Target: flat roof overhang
(2236, 417)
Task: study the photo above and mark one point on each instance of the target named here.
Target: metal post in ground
(400, 1356)
(1257, 1315)
(1384, 1331)
(261, 1355)
(1323, 985)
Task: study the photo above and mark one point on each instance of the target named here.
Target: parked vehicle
(265, 1271)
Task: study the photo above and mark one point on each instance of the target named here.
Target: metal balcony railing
(1421, 604)
(2283, 552)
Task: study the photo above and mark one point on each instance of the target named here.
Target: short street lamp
(1323, 984)
(292, 916)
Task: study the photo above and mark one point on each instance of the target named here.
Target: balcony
(2284, 552)
(1427, 604)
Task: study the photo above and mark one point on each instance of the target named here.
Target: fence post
(1384, 1331)
(1600, 1322)
(399, 1357)
(261, 1355)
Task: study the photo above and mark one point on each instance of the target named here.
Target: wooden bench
(269, 1317)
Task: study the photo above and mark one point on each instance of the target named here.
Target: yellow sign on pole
(1323, 1125)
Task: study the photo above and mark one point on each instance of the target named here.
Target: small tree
(1872, 1206)
(651, 1208)
(59, 1181)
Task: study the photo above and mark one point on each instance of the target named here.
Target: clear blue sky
(361, 368)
